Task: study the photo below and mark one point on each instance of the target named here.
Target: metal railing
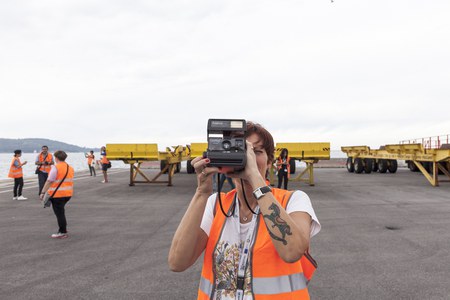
(432, 142)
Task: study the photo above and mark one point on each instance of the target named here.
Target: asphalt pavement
(384, 236)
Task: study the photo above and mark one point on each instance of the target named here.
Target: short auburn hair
(265, 136)
(60, 155)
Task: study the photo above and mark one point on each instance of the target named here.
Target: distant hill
(31, 145)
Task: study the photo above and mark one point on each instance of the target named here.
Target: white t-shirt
(299, 202)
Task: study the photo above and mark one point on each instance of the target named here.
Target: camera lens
(226, 145)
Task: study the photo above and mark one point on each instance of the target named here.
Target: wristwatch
(261, 191)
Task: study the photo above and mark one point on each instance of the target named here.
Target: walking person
(60, 175)
(106, 164)
(91, 162)
(284, 168)
(255, 242)
(44, 161)
(15, 171)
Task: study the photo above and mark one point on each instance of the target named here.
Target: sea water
(77, 160)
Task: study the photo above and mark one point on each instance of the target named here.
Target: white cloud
(348, 72)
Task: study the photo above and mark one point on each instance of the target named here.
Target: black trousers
(18, 185)
(282, 175)
(42, 179)
(92, 169)
(60, 212)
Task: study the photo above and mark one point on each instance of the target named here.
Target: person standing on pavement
(91, 162)
(106, 164)
(15, 171)
(44, 161)
(63, 194)
(284, 168)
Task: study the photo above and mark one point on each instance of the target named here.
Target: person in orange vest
(60, 175)
(15, 171)
(44, 161)
(283, 168)
(106, 164)
(91, 162)
(254, 238)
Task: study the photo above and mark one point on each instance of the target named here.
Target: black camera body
(226, 143)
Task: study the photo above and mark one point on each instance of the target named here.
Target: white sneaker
(14, 198)
(20, 198)
(59, 235)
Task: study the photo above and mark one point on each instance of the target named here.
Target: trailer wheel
(368, 165)
(392, 165)
(428, 166)
(163, 165)
(190, 169)
(350, 165)
(412, 166)
(358, 166)
(375, 166)
(292, 165)
(382, 165)
(178, 169)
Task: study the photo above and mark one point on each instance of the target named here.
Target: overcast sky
(349, 72)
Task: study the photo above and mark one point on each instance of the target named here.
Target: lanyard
(243, 257)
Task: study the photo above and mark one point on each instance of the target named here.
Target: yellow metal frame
(136, 154)
(412, 152)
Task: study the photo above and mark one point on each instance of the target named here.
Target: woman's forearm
(288, 236)
(186, 244)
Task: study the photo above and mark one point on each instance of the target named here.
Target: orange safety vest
(49, 159)
(15, 172)
(66, 188)
(272, 278)
(90, 158)
(104, 160)
(279, 165)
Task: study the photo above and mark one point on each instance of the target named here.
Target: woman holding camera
(254, 237)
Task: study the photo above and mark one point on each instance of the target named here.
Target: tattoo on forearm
(278, 222)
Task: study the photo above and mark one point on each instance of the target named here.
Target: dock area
(384, 236)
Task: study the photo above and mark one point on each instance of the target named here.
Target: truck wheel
(190, 169)
(428, 166)
(163, 165)
(392, 165)
(358, 166)
(292, 166)
(375, 166)
(350, 165)
(368, 165)
(412, 166)
(178, 169)
(382, 165)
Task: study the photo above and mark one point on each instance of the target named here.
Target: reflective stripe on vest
(45, 168)
(205, 286)
(15, 172)
(272, 278)
(278, 285)
(66, 188)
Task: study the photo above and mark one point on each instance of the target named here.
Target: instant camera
(226, 143)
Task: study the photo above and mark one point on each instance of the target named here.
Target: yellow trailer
(310, 153)
(427, 161)
(194, 150)
(136, 154)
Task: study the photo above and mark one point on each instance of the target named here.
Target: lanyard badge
(243, 259)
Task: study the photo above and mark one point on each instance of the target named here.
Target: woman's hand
(251, 172)
(204, 175)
